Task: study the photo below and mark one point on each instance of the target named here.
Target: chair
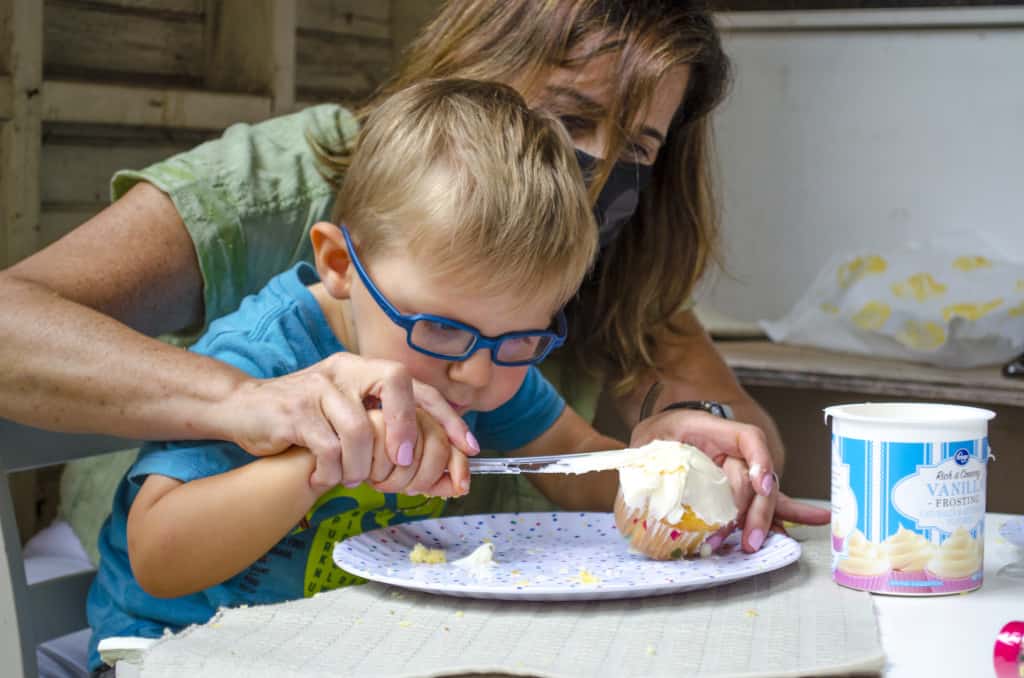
(33, 614)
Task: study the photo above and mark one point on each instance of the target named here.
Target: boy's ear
(330, 254)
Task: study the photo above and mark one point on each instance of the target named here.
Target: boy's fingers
(458, 471)
(431, 400)
(432, 463)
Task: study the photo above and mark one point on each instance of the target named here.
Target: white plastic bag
(937, 303)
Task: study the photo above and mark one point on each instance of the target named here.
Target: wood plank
(762, 363)
(20, 136)
(88, 41)
(78, 170)
(341, 70)
(121, 105)
(259, 59)
(816, 5)
(408, 17)
(194, 7)
(347, 17)
(6, 98)
(56, 221)
(873, 19)
(6, 17)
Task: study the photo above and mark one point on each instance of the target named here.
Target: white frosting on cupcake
(663, 478)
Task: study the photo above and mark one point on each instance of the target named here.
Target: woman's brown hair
(646, 276)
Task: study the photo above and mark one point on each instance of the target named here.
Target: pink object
(877, 582)
(916, 581)
(1007, 657)
(837, 544)
(956, 585)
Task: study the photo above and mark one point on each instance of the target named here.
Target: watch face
(710, 406)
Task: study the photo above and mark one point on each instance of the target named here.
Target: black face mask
(620, 195)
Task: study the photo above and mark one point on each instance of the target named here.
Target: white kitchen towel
(791, 622)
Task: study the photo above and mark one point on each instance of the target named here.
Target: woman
(187, 239)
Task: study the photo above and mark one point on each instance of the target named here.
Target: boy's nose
(476, 371)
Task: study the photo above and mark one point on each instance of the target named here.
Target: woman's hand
(717, 438)
(741, 450)
(758, 514)
(325, 408)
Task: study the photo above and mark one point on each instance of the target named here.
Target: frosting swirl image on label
(908, 551)
(958, 557)
(864, 558)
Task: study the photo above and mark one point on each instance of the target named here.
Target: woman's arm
(697, 372)
(73, 326)
(73, 360)
(185, 537)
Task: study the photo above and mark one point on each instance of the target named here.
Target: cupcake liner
(955, 584)
(657, 539)
(874, 582)
(910, 581)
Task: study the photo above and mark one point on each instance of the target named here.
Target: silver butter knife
(555, 463)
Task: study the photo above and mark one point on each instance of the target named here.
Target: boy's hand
(324, 408)
(439, 469)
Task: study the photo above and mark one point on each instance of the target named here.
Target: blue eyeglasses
(449, 339)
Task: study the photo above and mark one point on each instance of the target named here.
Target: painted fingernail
(714, 541)
(767, 483)
(756, 539)
(355, 484)
(405, 453)
(472, 442)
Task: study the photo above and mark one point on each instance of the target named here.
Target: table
(953, 635)
(935, 636)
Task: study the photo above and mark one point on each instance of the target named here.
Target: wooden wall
(89, 86)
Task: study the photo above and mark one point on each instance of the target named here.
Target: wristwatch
(710, 406)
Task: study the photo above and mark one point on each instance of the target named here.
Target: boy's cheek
(504, 385)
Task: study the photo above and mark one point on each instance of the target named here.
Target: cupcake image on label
(865, 565)
(844, 502)
(956, 565)
(908, 554)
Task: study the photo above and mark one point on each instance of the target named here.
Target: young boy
(463, 228)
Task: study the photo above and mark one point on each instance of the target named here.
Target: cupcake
(865, 565)
(956, 563)
(671, 497)
(908, 553)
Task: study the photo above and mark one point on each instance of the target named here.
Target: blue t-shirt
(277, 331)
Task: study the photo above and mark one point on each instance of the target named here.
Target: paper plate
(545, 556)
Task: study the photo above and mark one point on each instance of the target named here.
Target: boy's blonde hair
(674, 235)
(464, 175)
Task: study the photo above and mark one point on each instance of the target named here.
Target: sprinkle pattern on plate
(545, 556)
